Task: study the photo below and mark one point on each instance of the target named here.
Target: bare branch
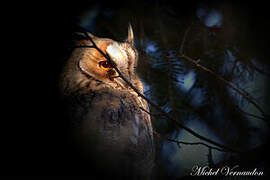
(196, 63)
(84, 46)
(244, 94)
(151, 114)
(181, 142)
(188, 143)
(79, 46)
(252, 115)
(181, 50)
(163, 113)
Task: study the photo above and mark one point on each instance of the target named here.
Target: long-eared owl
(109, 127)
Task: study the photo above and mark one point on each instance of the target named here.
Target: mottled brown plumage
(105, 112)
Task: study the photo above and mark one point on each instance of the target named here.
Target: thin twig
(84, 46)
(196, 63)
(151, 114)
(181, 50)
(244, 94)
(80, 46)
(181, 142)
(252, 115)
(153, 104)
(188, 143)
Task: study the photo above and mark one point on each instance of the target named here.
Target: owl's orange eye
(106, 65)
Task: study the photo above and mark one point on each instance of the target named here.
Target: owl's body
(110, 128)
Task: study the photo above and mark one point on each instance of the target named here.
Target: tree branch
(196, 63)
(241, 92)
(163, 113)
(188, 143)
(252, 115)
(84, 46)
(181, 142)
(181, 50)
(151, 114)
(80, 46)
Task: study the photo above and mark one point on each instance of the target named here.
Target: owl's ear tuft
(130, 38)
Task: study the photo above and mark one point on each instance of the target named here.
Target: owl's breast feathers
(111, 126)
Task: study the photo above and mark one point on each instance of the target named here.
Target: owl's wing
(111, 126)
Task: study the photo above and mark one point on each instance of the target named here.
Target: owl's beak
(113, 76)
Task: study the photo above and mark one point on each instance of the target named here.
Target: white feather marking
(135, 129)
(116, 52)
(136, 119)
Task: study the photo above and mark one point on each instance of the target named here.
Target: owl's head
(92, 64)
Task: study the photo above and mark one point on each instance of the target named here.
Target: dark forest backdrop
(229, 38)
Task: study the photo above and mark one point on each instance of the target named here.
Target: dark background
(34, 132)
